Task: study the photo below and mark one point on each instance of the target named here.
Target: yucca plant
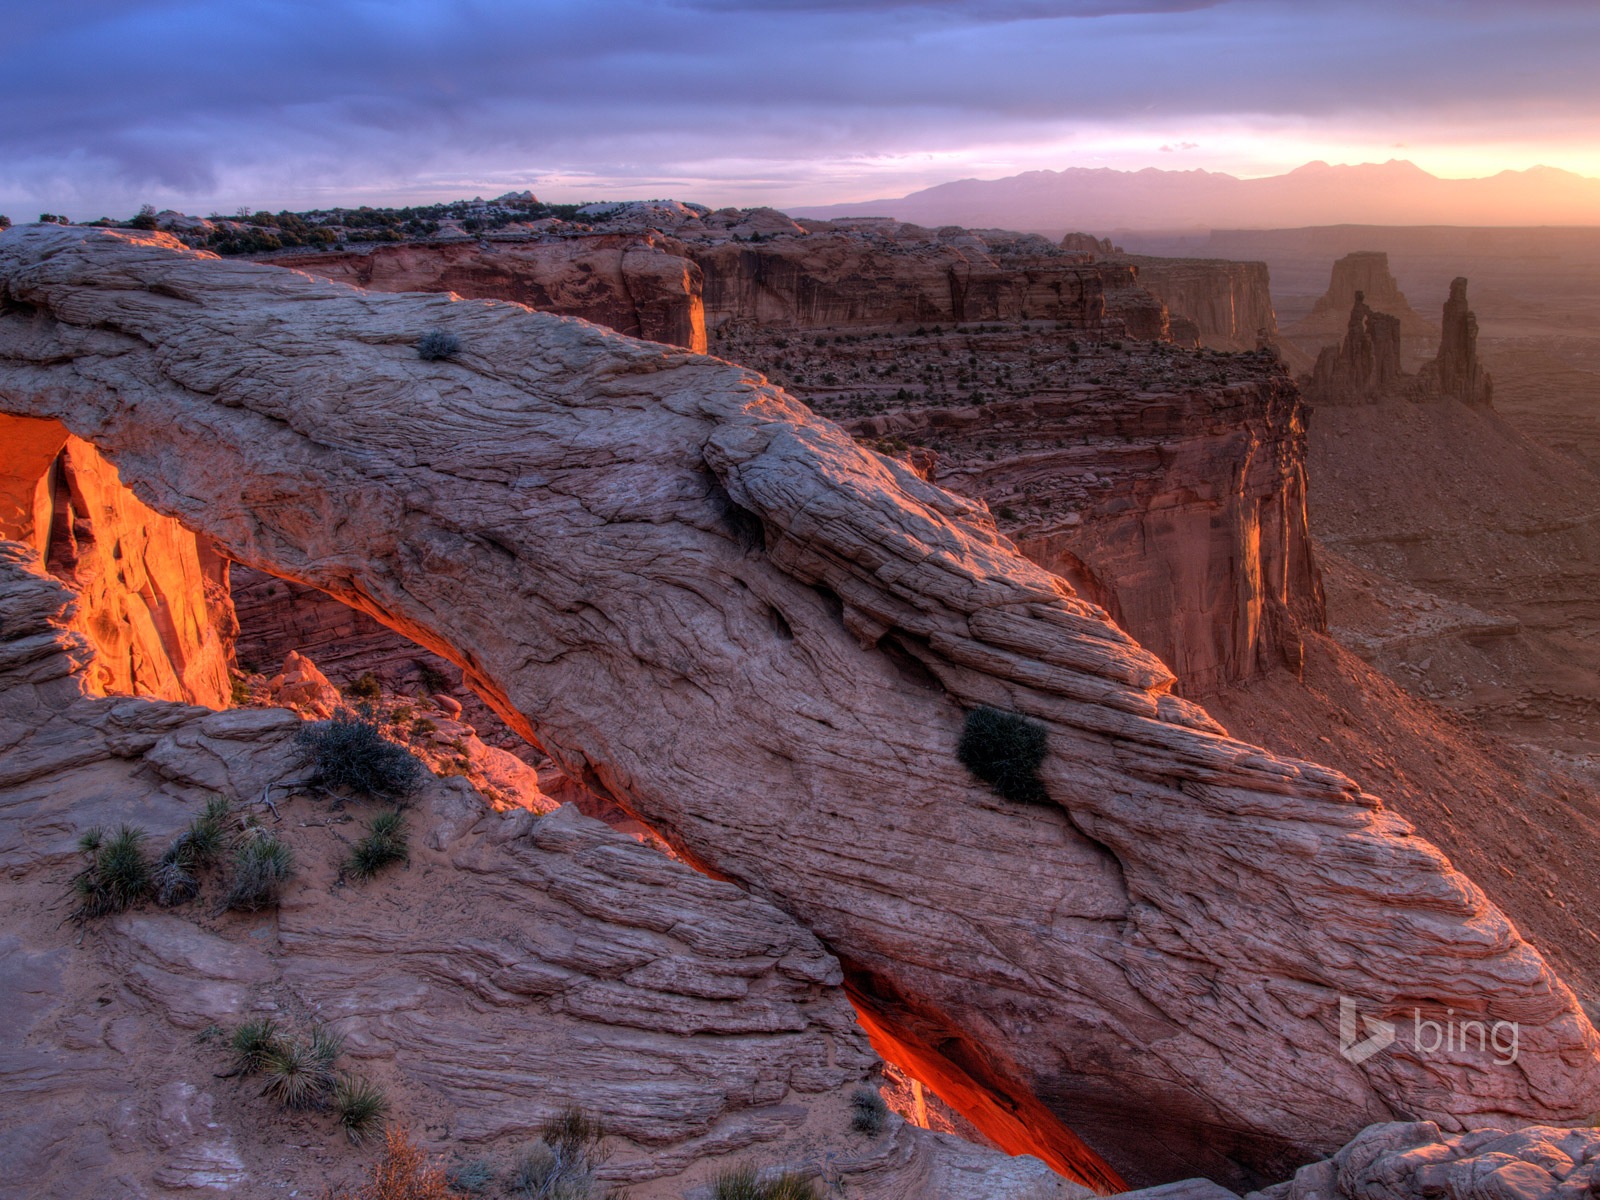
(298, 1075)
(360, 1106)
(208, 833)
(384, 844)
(252, 1044)
(260, 867)
(116, 875)
(173, 879)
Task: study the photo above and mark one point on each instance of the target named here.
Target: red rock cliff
(153, 602)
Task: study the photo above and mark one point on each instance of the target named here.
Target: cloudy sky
(207, 105)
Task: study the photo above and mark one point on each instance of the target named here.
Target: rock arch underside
(761, 639)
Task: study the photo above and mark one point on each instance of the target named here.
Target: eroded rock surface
(761, 639)
(1416, 1161)
(520, 962)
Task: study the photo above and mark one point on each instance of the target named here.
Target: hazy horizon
(793, 103)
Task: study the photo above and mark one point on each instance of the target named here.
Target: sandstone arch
(602, 531)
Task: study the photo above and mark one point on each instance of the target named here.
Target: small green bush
(364, 687)
(261, 866)
(116, 875)
(349, 752)
(1005, 750)
(252, 1044)
(437, 344)
(299, 1074)
(384, 844)
(868, 1112)
(360, 1106)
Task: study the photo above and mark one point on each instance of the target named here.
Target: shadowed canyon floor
(1152, 962)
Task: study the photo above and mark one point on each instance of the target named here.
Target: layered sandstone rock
(155, 603)
(1229, 304)
(1417, 1161)
(1365, 366)
(638, 284)
(1455, 372)
(1168, 485)
(761, 639)
(521, 962)
(1367, 272)
(666, 273)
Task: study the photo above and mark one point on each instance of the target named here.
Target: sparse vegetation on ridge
(1005, 750)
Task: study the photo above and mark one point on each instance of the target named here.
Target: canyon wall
(154, 602)
(638, 284)
(762, 639)
(1168, 485)
(670, 286)
(1229, 304)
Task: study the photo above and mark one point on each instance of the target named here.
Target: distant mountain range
(1099, 200)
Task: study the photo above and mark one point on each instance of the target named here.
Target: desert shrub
(146, 218)
(472, 1177)
(421, 727)
(299, 1074)
(261, 866)
(360, 1106)
(868, 1112)
(437, 344)
(1004, 750)
(433, 679)
(743, 1182)
(384, 844)
(347, 751)
(364, 687)
(115, 875)
(5, 221)
(252, 1044)
(402, 1172)
(560, 1165)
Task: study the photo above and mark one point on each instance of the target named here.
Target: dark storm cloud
(103, 103)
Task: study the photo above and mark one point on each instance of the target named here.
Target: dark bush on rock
(868, 1112)
(349, 752)
(1005, 750)
(437, 344)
